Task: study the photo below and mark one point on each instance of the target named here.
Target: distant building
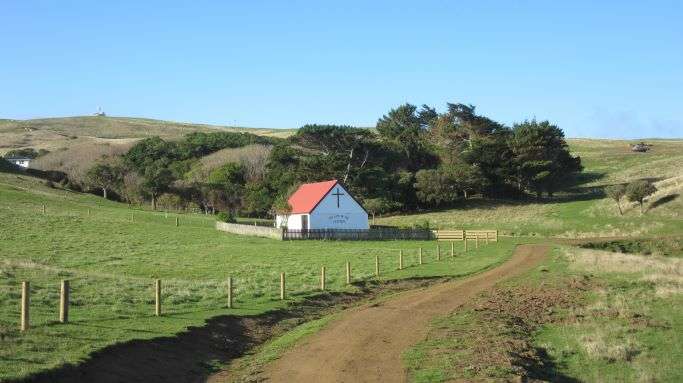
(24, 162)
(323, 205)
(640, 147)
(100, 112)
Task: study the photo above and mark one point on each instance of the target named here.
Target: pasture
(583, 211)
(112, 261)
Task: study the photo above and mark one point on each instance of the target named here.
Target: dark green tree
(23, 153)
(404, 128)
(541, 157)
(157, 179)
(436, 187)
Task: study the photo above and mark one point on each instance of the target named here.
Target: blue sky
(595, 68)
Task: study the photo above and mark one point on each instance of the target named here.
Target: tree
(541, 157)
(637, 191)
(226, 187)
(157, 179)
(435, 187)
(467, 178)
(616, 192)
(24, 153)
(380, 206)
(405, 129)
(105, 177)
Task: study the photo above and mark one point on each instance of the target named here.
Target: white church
(323, 205)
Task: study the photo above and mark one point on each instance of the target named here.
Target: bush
(227, 217)
(424, 224)
(637, 192)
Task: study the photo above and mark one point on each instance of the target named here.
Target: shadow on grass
(664, 200)
(195, 354)
(545, 369)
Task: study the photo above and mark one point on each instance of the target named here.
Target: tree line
(414, 158)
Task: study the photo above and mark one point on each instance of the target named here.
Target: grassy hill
(55, 133)
(111, 254)
(583, 212)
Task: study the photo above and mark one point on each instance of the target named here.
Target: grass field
(112, 255)
(112, 261)
(584, 315)
(585, 212)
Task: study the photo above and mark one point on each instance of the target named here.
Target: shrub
(637, 192)
(226, 217)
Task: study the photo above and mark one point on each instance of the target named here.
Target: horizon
(612, 70)
(221, 126)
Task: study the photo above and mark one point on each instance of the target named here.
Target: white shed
(24, 162)
(323, 205)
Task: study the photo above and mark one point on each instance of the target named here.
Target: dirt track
(365, 343)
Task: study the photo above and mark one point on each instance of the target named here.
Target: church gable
(324, 205)
(337, 199)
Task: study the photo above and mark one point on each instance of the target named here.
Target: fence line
(65, 288)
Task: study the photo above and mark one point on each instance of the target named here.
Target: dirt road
(365, 343)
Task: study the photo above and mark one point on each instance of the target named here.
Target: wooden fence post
(322, 278)
(438, 252)
(419, 257)
(64, 302)
(377, 265)
(177, 223)
(400, 259)
(452, 249)
(88, 212)
(465, 240)
(157, 297)
(348, 272)
(487, 237)
(43, 208)
(476, 241)
(25, 304)
(282, 286)
(229, 292)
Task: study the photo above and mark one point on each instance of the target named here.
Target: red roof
(307, 196)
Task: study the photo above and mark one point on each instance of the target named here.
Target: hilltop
(60, 132)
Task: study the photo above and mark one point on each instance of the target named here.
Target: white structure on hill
(323, 205)
(24, 162)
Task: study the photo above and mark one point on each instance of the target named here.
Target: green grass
(627, 326)
(111, 263)
(582, 213)
(631, 327)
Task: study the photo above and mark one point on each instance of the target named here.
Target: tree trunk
(619, 206)
(641, 207)
(154, 202)
(104, 193)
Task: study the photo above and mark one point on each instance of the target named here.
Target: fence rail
(461, 235)
(374, 234)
